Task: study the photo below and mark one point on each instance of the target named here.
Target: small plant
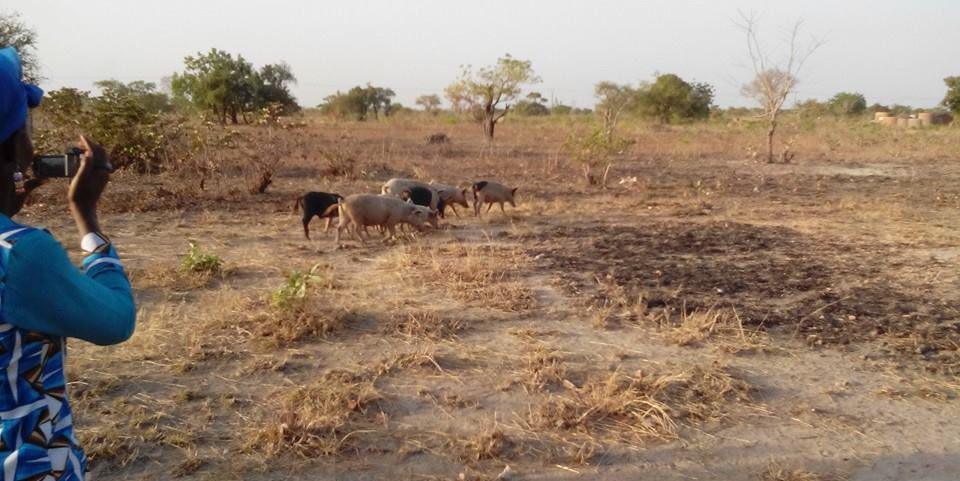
(201, 262)
(597, 150)
(296, 289)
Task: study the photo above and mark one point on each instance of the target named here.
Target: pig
(396, 187)
(363, 210)
(320, 204)
(486, 192)
(439, 138)
(422, 197)
(450, 195)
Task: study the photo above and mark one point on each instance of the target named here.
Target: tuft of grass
(545, 368)
(300, 311)
(424, 325)
(777, 472)
(641, 407)
(199, 262)
(723, 327)
(321, 419)
(487, 444)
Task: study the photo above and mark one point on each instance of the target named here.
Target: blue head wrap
(15, 96)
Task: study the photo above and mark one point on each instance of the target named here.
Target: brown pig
(487, 192)
(362, 210)
(451, 195)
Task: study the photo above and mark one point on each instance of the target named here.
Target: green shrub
(296, 289)
(201, 262)
(599, 149)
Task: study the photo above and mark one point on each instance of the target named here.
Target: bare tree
(773, 82)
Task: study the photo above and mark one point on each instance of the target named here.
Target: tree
(378, 99)
(220, 83)
(772, 82)
(480, 94)
(359, 102)
(670, 98)
(952, 100)
(274, 87)
(533, 105)
(144, 93)
(811, 109)
(613, 101)
(14, 33)
(430, 103)
(848, 103)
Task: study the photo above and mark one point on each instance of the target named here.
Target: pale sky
(892, 51)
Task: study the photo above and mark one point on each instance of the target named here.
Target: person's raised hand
(88, 185)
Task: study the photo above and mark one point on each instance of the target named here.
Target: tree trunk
(233, 117)
(488, 126)
(772, 130)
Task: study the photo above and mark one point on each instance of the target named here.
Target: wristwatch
(95, 242)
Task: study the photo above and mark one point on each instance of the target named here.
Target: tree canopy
(14, 33)
(486, 94)
(143, 93)
(952, 99)
(670, 98)
(847, 103)
(230, 87)
(429, 103)
(359, 103)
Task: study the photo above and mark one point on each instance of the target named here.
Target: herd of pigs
(401, 201)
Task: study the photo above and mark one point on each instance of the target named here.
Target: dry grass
(777, 472)
(424, 325)
(721, 327)
(205, 347)
(544, 368)
(321, 419)
(641, 407)
(301, 323)
(474, 274)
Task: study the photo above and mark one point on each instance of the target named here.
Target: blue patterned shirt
(44, 299)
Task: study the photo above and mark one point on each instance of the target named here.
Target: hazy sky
(890, 50)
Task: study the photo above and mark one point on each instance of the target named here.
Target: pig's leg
(340, 226)
(489, 206)
(501, 209)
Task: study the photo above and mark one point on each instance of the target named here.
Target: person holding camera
(45, 299)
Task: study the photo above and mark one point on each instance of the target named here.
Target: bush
(200, 262)
(295, 290)
(126, 121)
(598, 149)
(669, 99)
(848, 104)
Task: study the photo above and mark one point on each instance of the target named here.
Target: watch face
(93, 242)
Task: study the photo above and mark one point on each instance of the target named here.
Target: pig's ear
(514, 191)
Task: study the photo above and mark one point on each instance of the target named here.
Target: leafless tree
(773, 82)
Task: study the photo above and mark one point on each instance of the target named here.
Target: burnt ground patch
(830, 292)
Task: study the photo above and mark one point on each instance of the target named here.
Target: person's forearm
(85, 218)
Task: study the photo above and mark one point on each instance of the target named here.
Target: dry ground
(718, 319)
